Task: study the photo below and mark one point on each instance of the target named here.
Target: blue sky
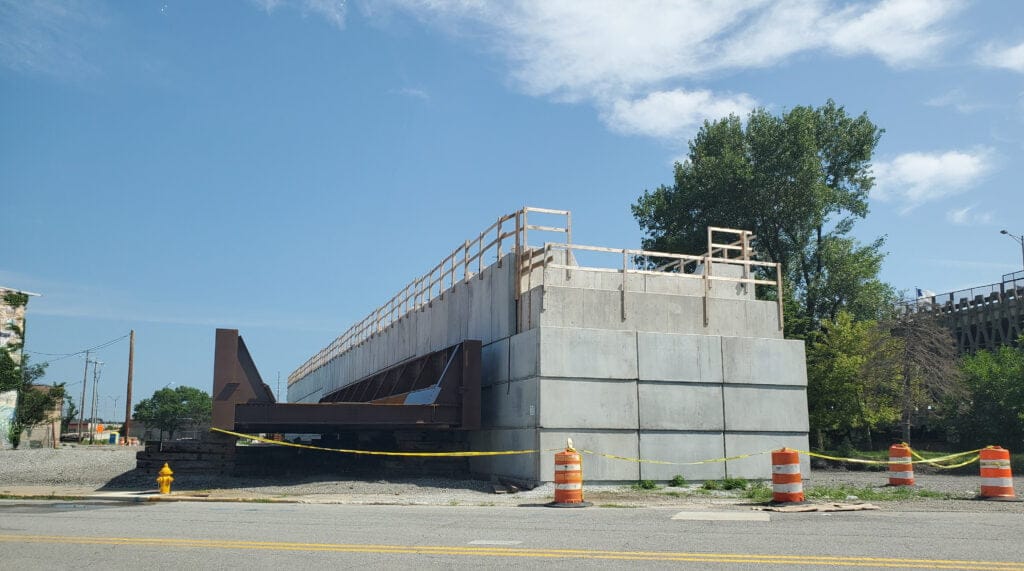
(284, 167)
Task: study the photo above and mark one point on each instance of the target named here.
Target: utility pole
(126, 430)
(81, 413)
(95, 386)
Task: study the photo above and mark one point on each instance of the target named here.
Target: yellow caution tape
(645, 461)
(863, 461)
(934, 461)
(372, 452)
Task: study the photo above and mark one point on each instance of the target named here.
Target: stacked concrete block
(666, 370)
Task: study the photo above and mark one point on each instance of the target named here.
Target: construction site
(663, 363)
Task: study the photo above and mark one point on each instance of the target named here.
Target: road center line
(573, 554)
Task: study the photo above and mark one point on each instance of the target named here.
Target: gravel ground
(107, 468)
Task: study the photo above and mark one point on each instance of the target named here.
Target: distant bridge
(983, 317)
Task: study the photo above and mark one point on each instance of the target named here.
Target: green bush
(725, 484)
(646, 485)
(677, 481)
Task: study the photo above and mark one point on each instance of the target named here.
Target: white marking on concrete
(723, 516)
(494, 542)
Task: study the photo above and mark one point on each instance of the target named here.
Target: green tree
(993, 412)
(70, 412)
(853, 387)
(172, 409)
(799, 181)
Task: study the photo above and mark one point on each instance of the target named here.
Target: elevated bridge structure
(638, 354)
(983, 317)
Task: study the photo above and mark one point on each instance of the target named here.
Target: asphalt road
(115, 535)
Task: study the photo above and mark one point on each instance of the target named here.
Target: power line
(61, 356)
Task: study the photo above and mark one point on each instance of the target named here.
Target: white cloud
(413, 92)
(966, 216)
(899, 32)
(957, 100)
(1011, 58)
(631, 59)
(331, 10)
(673, 114)
(913, 179)
(48, 37)
(334, 11)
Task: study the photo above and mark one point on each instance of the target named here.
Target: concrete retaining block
(682, 447)
(763, 361)
(595, 468)
(678, 406)
(671, 357)
(763, 409)
(587, 353)
(510, 405)
(588, 404)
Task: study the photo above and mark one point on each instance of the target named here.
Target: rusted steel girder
(438, 391)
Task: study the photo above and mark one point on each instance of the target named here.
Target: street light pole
(1019, 240)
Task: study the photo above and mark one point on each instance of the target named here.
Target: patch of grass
(675, 494)
(614, 506)
(645, 485)
(758, 492)
(873, 494)
(677, 481)
(725, 484)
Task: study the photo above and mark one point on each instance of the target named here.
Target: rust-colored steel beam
(439, 391)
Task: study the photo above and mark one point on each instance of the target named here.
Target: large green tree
(993, 412)
(799, 180)
(172, 409)
(854, 381)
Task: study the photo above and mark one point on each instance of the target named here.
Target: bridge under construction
(521, 338)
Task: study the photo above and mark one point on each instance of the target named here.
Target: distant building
(12, 320)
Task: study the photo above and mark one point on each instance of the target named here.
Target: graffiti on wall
(8, 401)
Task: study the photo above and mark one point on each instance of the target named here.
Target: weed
(758, 492)
(873, 494)
(677, 481)
(645, 485)
(675, 494)
(711, 485)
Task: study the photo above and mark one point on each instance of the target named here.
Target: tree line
(877, 370)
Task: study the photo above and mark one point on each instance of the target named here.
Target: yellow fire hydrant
(165, 479)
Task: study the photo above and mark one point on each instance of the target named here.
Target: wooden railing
(465, 261)
(468, 260)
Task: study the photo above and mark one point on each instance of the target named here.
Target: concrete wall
(635, 374)
(482, 308)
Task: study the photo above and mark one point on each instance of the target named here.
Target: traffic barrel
(996, 476)
(569, 479)
(901, 470)
(787, 485)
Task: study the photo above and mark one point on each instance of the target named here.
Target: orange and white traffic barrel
(569, 479)
(901, 469)
(996, 476)
(787, 485)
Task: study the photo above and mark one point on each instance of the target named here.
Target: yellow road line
(773, 559)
